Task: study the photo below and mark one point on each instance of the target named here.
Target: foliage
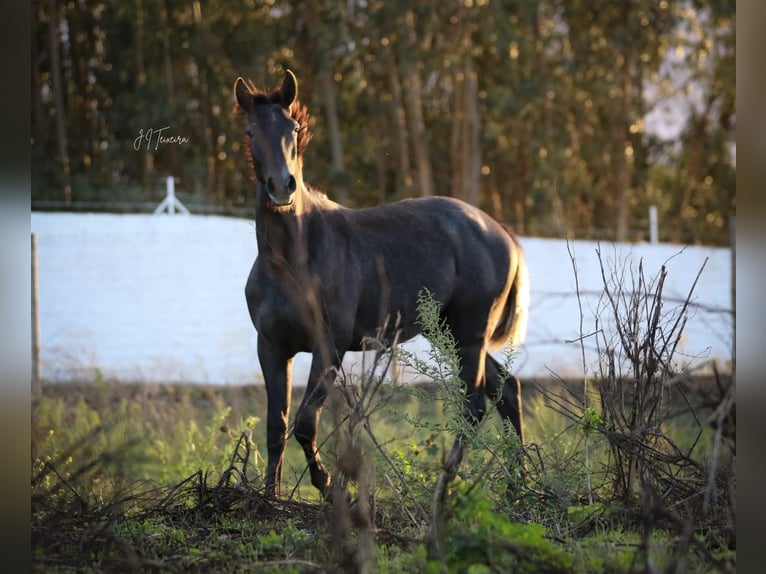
(537, 111)
(481, 539)
(122, 513)
(143, 442)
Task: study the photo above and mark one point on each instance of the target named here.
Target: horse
(326, 277)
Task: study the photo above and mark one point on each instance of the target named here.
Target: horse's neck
(282, 237)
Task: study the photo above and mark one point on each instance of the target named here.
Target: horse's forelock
(301, 115)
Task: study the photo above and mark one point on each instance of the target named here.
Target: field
(168, 478)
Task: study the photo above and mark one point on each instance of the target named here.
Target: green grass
(126, 477)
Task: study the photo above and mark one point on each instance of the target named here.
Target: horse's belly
(397, 320)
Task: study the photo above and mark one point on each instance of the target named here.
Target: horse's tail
(511, 328)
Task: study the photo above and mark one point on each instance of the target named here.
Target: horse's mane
(298, 112)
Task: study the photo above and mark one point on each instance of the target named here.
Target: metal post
(36, 382)
(170, 202)
(171, 187)
(653, 231)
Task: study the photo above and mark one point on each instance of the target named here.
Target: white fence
(161, 299)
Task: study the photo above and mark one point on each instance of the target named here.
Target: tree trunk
(624, 163)
(175, 166)
(321, 56)
(404, 181)
(381, 145)
(147, 169)
(457, 137)
(206, 107)
(414, 105)
(622, 186)
(327, 89)
(495, 208)
(58, 98)
(465, 151)
(473, 132)
(519, 191)
(140, 69)
(693, 170)
(38, 119)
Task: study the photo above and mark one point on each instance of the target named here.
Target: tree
(54, 26)
(612, 47)
(535, 111)
(319, 50)
(413, 87)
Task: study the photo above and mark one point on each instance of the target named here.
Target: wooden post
(36, 381)
(733, 243)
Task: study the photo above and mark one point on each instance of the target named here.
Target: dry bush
(687, 489)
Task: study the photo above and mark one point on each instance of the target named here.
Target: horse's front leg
(324, 368)
(277, 372)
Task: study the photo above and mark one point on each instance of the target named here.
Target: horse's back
(456, 252)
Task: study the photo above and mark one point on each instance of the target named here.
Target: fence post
(733, 243)
(653, 231)
(36, 381)
(170, 202)
(170, 186)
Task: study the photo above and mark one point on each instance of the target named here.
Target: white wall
(161, 298)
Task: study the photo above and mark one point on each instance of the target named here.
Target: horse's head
(275, 123)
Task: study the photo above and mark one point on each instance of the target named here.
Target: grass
(129, 478)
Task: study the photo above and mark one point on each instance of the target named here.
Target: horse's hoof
(270, 493)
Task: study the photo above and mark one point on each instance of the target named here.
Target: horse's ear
(243, 95)
(289, 89)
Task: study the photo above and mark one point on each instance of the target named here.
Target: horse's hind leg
(508, 398)
(508, 402)
(472, 374)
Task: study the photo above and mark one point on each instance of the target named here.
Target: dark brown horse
(327, 276)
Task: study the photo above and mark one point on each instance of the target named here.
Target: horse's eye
(297, 129)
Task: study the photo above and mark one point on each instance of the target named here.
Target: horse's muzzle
(281, 195)
(281, 201)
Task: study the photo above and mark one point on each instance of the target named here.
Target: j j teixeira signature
(153, 137)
